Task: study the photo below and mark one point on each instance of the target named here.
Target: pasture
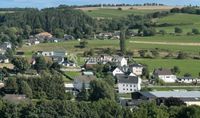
(115, 13)
(186, 66)
(131, 46)
(185, 21)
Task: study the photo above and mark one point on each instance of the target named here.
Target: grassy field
(3, 12)
(69, 45)
(185, 21)
(115, 13)
(186, 66)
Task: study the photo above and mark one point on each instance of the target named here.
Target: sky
(54, 3)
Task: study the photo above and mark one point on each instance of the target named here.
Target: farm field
(193, 65)
(115, 13)
(185, 21)
(69, 45)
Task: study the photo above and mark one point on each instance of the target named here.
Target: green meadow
(185, 21)
(186, 66)
(115, 13)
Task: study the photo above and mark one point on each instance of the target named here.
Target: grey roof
(85, 78)
(176, 94)
(127, 79)
(162, 71)
(3, 57)
(135, 65)
(91, 61)
(59, 53)
(117, 58)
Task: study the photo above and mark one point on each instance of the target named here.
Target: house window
(123, 85)
(124, 89)
(127, 85)
(127, 89)
(130, 85)
(134, 86)
(130, 89)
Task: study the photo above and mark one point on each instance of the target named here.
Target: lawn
(115, 13)
(73, 74)
(170, 38)
(186, 66)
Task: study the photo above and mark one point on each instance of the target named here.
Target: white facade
(137, 70)
(168, 78)
(48, 53)
(69, 87)
(129, 87)
(188, 80)
(123, 62)
(117, 71)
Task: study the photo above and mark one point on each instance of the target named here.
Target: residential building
(52, 53)
(128, 84)
(117, 71)
(5, 46)
(120, 61)
(56, 40)
(69, 63)
(69, 87)
(188, 97)
(165, 74)
(90, 63)
(15, 98)
(85, 80)
(33, 41)
(4, 59)
(88, 73)
(136, 69)
(68, 37)
(44, 35)
(187, 80)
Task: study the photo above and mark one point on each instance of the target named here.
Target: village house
(188, 97)
(85, 80)
(128, 84)
(107, 35)
(117, 71)
(5, 46)
(136, 69)
(187, 80)
(15, 98)
(52, 53)
(4, 59)
(43, 36)
(90, 63)
(88, 73)
(68, 63)
(120, 61)
(105, 58)
(55, 40)
(33, 41)
(68, 37)
(164, 74)
(69, 87)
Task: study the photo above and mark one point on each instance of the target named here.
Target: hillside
(115, 13)
(185, 21)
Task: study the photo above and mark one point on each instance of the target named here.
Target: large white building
(128, 84)
(165, 74)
